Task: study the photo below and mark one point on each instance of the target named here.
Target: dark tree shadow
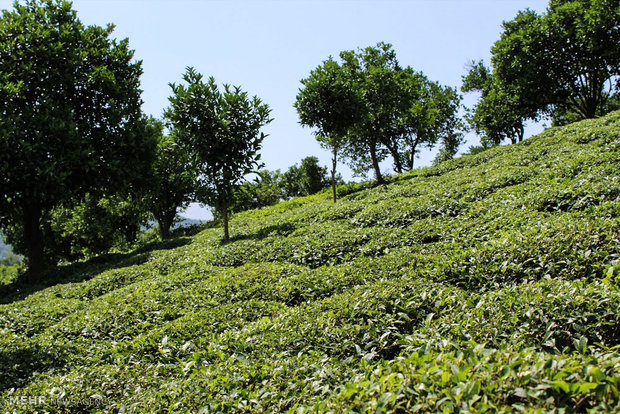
(283, 229)
(18, 366)
(77, 272)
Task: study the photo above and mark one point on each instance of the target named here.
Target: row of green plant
(478, 295)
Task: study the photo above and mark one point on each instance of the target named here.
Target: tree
(500, 113)
(374, 71)
(70, 117)
(565, 60)
(265, 190)
(329, 102)
(401, 111)
(94, 226)
(87, 227)
(271, 187)
(306, 179)
(221, 132)
(563, 116)
(427, 114)
(172, 182)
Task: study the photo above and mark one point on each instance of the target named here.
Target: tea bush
(487, 283)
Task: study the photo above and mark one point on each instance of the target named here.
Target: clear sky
(266, 47)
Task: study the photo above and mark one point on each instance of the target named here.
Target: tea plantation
(488, 283)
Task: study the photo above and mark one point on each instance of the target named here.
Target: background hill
(4, 248)
(7, 257)
(187, 222)
(485, 283)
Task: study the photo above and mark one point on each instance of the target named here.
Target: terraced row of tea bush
(489, 283)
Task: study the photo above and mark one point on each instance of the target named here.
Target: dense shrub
(487, 283)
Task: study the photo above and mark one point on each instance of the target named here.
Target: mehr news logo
(92, 401)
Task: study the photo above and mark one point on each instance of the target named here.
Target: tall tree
(567, 59)
(172, 181)
(401, 111)
(221, 132)
(374, 70)
(329, 102)
(426, 114)
(499, 114)
(71, 121)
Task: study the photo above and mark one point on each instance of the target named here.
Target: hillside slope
(486, 283)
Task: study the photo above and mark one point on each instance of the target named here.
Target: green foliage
(71, 121)
(265, 190)
(368, 107)
(403, 110)
(564, 116)
(172, 182)
(221, 133)
(271, 187)
(96, 226)
(306, 179)
(474, 378)
(486, 283)
(90, 227)
(8, 272)
(476, 149)
(427, 115)
(331, 103)
(500, 113)
(565, 60)
(375, 72)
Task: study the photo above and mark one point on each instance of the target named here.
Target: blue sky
(266, 47)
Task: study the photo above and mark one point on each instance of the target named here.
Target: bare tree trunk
(225, 217)
(334, 161)
(165, 221)
(411, 160)
(398, 165)
(33, 240)
(375, 163)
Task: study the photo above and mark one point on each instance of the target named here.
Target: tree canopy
(499, 114)
(221, 132)
(71, 122)
(427, 114)
(368, 107)
(331, 103)
(172, 180)
(566, 59)
(306, 179)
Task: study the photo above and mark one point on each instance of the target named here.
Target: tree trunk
(520, 133)
(590, 109)
(33, 240)
(375, 163)
(411, 160)
(592, 100)
(165, 221)
(225, 218)
(398, 165)
(334, 160)
(164, 229)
